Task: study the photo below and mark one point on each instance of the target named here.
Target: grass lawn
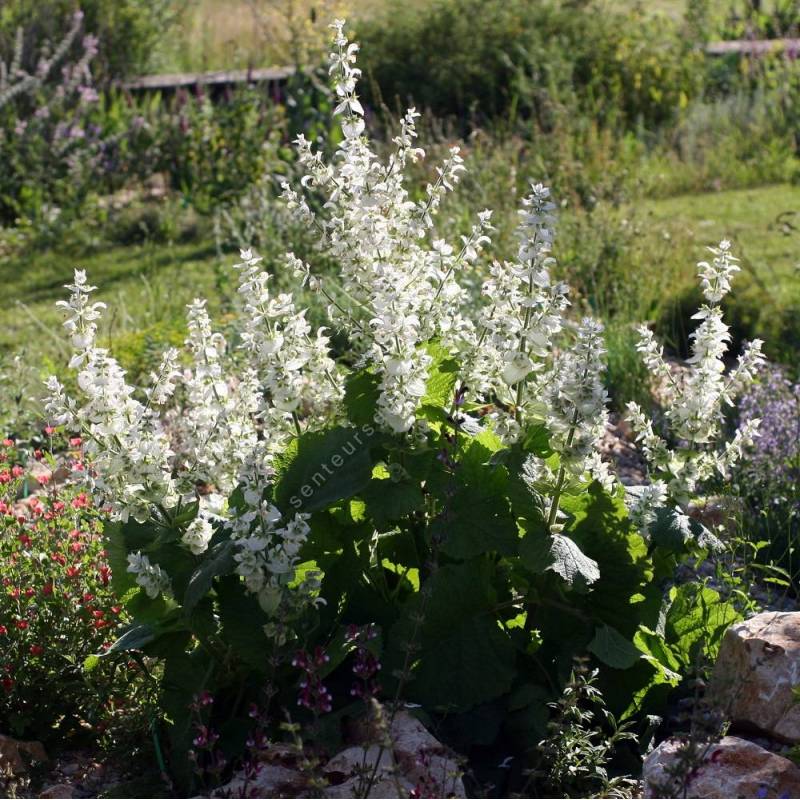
(763, 224)
(148, 286)
(145, 286)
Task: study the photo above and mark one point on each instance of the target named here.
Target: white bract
(695, 406)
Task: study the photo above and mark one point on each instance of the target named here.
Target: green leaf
(472, 664)
(612, 648)
(90, 662)
(389, 500)
(536, 440)
(361, 395)
(442, 375)
(477, 516)
(571, 563)
(677, 532)
(145, 609)
(242, 622)
(322, 468)
(476, 523)
(464, 658)
(135, 638)
(218, 561)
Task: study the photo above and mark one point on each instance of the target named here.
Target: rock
(757, 668)
(58, 790)
(355, 769)
(416, 763)
(731, 768)
(421, 760)
(272, 780)
(16, 756)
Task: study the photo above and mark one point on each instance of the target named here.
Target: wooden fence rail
(277, 76)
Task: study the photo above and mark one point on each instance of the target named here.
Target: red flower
(116, 609)
(75, 441)
(25, 539)
(17, 471)
(98, 614)
(5, 476)
(3, 630)
(42, 479)
(104, 573)
(57, 557)
(13, 593)
(73, 572)
(38, 455)
(7, 684)
(8, 442)
(100, 623)
(81, 501)
(22, 624)
(87, 598)
(3, 508)
(47, 589)
(30, 592)
(76, 547)
(59, 506)
(36, 650)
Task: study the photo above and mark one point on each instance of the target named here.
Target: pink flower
(17, 471)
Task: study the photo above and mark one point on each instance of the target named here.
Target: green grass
(763, 223)
(145, 286)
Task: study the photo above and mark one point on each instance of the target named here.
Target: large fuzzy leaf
(612, 648)
(321, 468)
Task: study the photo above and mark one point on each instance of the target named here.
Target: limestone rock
(733, 768)
(757, 668)
(272, 780)
(16, 756)
(57, 791)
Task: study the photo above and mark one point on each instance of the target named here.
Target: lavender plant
(441, 479)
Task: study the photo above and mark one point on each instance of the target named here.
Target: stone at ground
(58, 790)
(362, 769)
(415, 763)
(757, 669)
(272, 780)
(732, 767)
(16, 756)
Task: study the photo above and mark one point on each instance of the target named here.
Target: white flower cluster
(402, 291)
(128, 450)
(149, 576)
(694, 411)
(576, 401)
(197, 535)
(524, 311)
(267, 558)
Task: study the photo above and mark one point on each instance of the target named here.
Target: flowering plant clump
(56, 604)
(769, 473)
(442, 479)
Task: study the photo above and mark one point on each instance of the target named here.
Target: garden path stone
(17, 756)
(731, 768)
(757, 670)
(58, 790)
